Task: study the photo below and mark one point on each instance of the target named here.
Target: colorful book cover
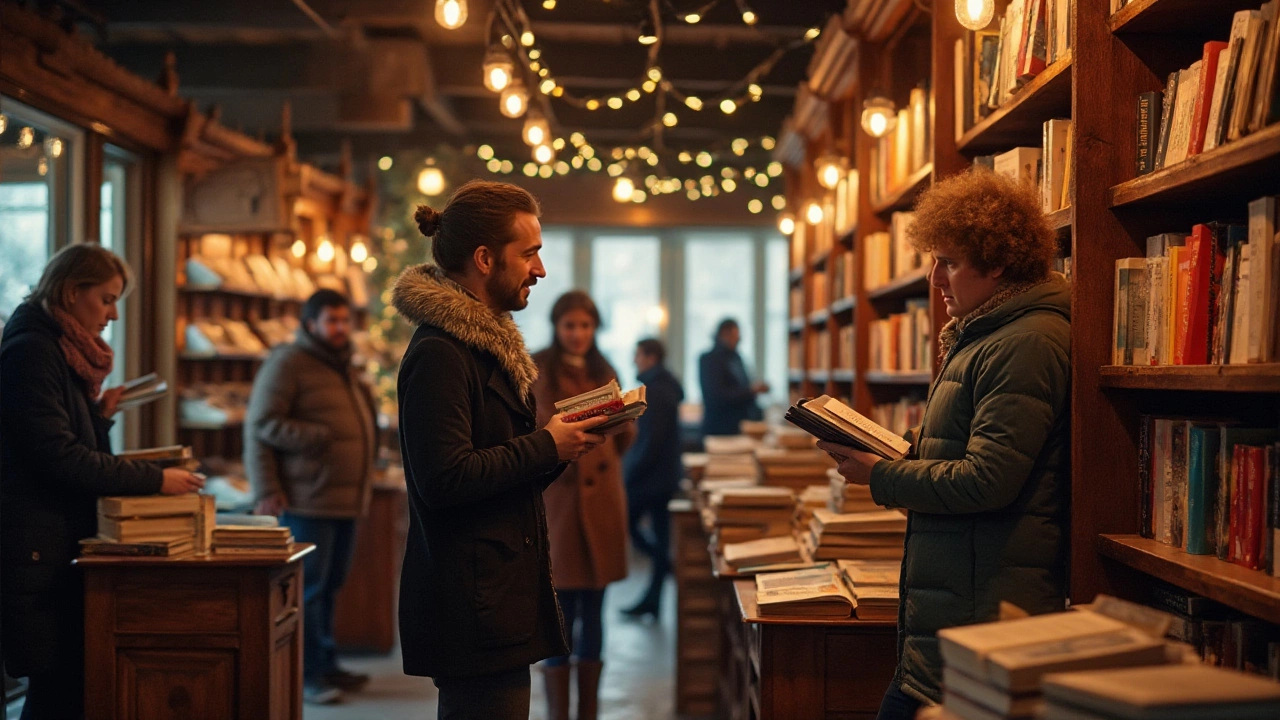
(1202, 490)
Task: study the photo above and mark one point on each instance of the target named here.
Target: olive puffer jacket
(987, 487)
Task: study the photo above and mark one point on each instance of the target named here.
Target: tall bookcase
(1111, 211)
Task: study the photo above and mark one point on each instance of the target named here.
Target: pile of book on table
(793, 468)
(152, 526)
(608, 400)
(1168, 692)
(811, 592)
(874, 584)
(876, 535)
(846, 497)
(731, 456)
(764, 554)
(251, 540)
(749, 513)
(812, 498)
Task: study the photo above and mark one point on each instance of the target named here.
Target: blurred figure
(652, 469)
(57, 462)
(586, 507)
(728, 395)
(310, 439)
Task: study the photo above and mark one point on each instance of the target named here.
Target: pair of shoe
(645, 607)
(330, 688)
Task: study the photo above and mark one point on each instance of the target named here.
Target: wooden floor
(637, 683)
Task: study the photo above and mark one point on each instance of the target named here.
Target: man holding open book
(986, 480)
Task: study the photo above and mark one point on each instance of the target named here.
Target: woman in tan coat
(586, 507)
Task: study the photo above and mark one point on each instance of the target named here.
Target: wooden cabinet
(193, 638)
(365, 612)
(698, 623)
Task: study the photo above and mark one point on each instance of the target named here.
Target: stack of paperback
(789, 438)
(874, 584)
(731, 456)
(993, 670)
(1170, 692)
(796, 469)
(608, 400)
(766, 551)
(152, 525)
(757, 429)
(811, 592)
(846, 497)
(812, 498)
(251, 540)
(749, 513)
(874, 535)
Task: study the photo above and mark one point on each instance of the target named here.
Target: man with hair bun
(986, 483)
(477, 605)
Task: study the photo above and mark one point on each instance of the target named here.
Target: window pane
(776, 308)
(24, 240)
(112, 235)
(624, 284)
(719, 284)
(535, 320)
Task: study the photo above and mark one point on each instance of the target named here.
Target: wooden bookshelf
(1060, 220)
(795, 376)
(843, 376)
(1176, 17)
(844, 305)
(820, 260)
(819, 376)
(189, 425)
(888, 377)
(222, 358)
(1249, 591)
(1196, 378)
(1240, 171)
(819, 317)
(909, 285)
(846, 239)
(1020, 121)
(902, 197)
(796, 275)
(795, 324)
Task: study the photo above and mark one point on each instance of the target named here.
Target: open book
(143, 390)
(814, 592)
(606, 400)
(831, 420)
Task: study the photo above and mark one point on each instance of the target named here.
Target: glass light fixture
(623, 189)
(813, 213)
(878, 116)
(647, 35)
(359, 251)
(451, 14)
(324, 251)
(786, 223)
(498, 69)
(975, 14)
(831, 168)
(298, 249)
(430, 181)
(543, 154)
(536, 129)
(514, 100)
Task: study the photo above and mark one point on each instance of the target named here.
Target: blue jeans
(324, 570)
(897, 705)
(583, 609)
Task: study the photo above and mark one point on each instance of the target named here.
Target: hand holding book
(854, 464)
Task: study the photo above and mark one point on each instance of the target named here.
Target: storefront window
(719, 283)
(624, 284)
(535, 320)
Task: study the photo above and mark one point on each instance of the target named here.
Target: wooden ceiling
(386, 76)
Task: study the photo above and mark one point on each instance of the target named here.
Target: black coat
(727, 396)
(57, 462)
(475, 589)
(652, 465)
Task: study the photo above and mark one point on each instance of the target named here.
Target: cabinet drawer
(286, 596)
(183, 606)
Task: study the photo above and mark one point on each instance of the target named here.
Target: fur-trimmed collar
(423, 295)
(955, 326)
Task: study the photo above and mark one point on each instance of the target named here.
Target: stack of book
(1171, 692)
(730, 456)
(749, 513)
(166, 457)
(845, 497)
(796, 469)
(251, 540)
(812, 498)
(763, 552)
(856, 536)
(993, 670)
(152, 525)
(811, 592)
(874, 584)
(756, 429)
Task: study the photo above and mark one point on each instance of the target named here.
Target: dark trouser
(54, 696)
(583, 622)
(323, 572)
(658, 548)
(897, 705)
(501, 696)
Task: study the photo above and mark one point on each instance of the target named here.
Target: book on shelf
(1020, 164)
(607, 400)
(1056, 156)
(902, 342)
(1163, 692)
(813, 592)
(1149, 107)
(829, 419)
(968, 696)
(142, 390)
(1129, 344)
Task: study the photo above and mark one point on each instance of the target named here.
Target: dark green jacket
(988, 484)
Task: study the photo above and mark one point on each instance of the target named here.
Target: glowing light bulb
(451, 14)
(767, 142)
(813, 213)
(693, 18)
(545, 172)
(587, 151)
(615, 102)
(749, 17)
(615, 169)
(655, 73)
(729, 185)
(704, 159)
(633, 94)
(594, 164)
(536, 129)
(514, 100)
(755, 207)
(384, 162)
(786, 224)
(359, 252)
(593, 104)
(298, 249)
(779, 202)
(547, 86)
(638, 196)
(670, 119)
(26, 136)
(755, 91)
(508, 167)
(484, 152)
(543, 154)
(430, 181)
(623, 189)
(549, 4)
(494, 165)
(647, 37)
(530, 169)
(325, 252)
(370, 264)
(975, 14)
(694, 102)
(774, 169)
(562, 168)
(685, 157)
(812, 33)
(53, 146)
(728, 106)
(649, 86)
(878, 116)
(831, 169)
(739, 146)
(558, 144)
(526, 38)
(498, 69)
(578, 139)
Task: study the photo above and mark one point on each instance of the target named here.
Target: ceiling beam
(673, 33)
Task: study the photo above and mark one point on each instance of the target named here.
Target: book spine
(1194, 325)
(1254, 505)
(1223, 509)
(1144, 475)
(1273, 506)
(1204, 96)
(1178, 459)
(1200, 494)
(1148, 119)
(1238, 491)
(1182, 276)
(1166, 118)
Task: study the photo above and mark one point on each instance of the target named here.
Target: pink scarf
(89, 355)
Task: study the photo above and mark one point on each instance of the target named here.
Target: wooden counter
(364, 616)
(193, 638)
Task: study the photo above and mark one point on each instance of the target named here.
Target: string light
(359, 251)
(594, 164)
(638, 196)
(26, 136)
(484, 152)
(615, 102)
(514, 100)
(755, 91)
(430, 181)
(53, 147)
(577, 139)
(508, 167)
(549, 4)
(384, 163)
(761, 180)
(754, 206)
(494, 165)
(451, 14)
(577, 162)
(498, 69)
(593, 104)
(543, 154)
(728, 106)
(587, 151)
(649, 86)
(526, 38)
(562, 168)
(774, 169)
(767, 142)
(615, 169)
(623, 189)
(299, 249)
(530, 169)
(693, 102)
(545, 172)
(779, 202)
(786, 223)
(558, 144)
(370, 264)
(812, 33)
(633, 94)
(547, 86)
(739, 146)
(325, 252)
(693, 18)
(729, 185)
(704, 159)
(655, 73)
(748, 17)
(670, 119)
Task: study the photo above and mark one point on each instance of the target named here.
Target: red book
(1204, 98)
(1193, 329)
(605, 408)
(1235, 526)
(1255, 504)
(1181, 300)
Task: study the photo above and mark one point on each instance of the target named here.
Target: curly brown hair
(991, 220)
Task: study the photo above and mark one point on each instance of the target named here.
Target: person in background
(310, 439)
(986, 485)
(652, 469)
(477, 605)
(57, 462)
(728, 395)
(586, 507)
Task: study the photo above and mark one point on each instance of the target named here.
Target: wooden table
(364, 616)
(193, 638)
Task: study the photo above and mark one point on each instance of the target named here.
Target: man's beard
(505, 293)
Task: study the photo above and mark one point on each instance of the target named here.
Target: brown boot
(588, 688)
(556, 680)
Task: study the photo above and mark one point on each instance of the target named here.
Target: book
(1166, 117)
(1195, 311)
(990, 698)
(1056, 159)
(1240, 23)
(147, 529)
(1262, 278)
(149, 505)
(179, 547)
(768, 497)
(1207, 88)
(605, 400)
(1242, 293)
(1184, 104)
(831, 420)
(1266, 82)
(156, 454)
(1247, 73)
(1020, 164)
(1149, 105)
(815, 592)
(880, 521)
(1130, 312)
(1032, 54)
(1202, 489)
(142, 390)
(1166, 692)
(762, 551)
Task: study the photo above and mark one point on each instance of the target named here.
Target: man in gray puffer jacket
(310, 438)
(987, 483)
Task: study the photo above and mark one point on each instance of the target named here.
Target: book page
(866, 425)
(591, 398)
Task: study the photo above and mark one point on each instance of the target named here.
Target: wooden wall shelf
(795, 325)
(901, 198)
(909, 285)
(1060, 220)
(819, 376)
(1177, 17)
(1020, 121)
(819, 317)
(846, 239)
(820, 260)
(1249, 591)
(844, 305)
(886, 377)
(1199, 378)
(843, 376)
(1240, 170)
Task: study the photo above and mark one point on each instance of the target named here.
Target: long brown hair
(598, 368)
(78, 266)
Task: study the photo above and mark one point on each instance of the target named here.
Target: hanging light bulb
(728, 106)
(755, 207)
(755, 91)
(451, 14)
(647, 35)
(670, 119)
(498, 69)
(694, 102)
(324, 252)
(748, 17)
(527, 39)
(514, 100)
(615, 102)
(359, 251)
(385, 162)
(693, 18)
(543, 154)
(633, 94)
(786, 223)
(623, 188)
(655, 73)
(536, 129)
(813, 213)
(26, 136)
(548, 4)
(975, 14)
(53, 147)
(831, 168)
(430, 181)
(299, 249)
(878, 116)
(704, 159)
(42, 166)
(547, 86)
